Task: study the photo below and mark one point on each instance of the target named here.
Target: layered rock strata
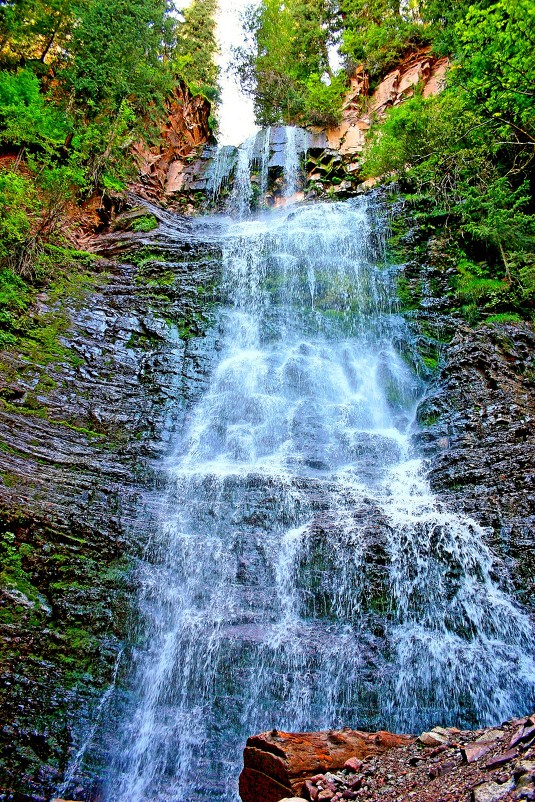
(478, 431)
(84, 419)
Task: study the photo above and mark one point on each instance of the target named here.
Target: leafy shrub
(27, 117)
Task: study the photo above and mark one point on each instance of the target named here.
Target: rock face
(479, 435)
(361, 108)
(186, 130)
(85, 413)
(189, 171)
(468, 766)
(277, 764)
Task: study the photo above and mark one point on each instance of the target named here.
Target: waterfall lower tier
(302, 575)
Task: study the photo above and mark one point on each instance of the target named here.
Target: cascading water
(221, 168)
(295, 144)
(302, 575)
(256, 154)
(242, 191)
(264, 162)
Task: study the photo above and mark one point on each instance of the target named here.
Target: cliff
(418, 71)
(88, 409)
(85, 417)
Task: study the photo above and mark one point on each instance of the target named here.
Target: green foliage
(113, 66)
(285, 65)
(15, 298)
(26, 116)
(195, 48)
(18, 207)
(80, 82)
(146, 223)
(116, 51)
(464, 158)
(496, 66)
(378, 33)
(34, 30)
(323, 101)
(504, 317)
(12, 573)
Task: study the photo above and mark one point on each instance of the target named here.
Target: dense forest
(464, 159)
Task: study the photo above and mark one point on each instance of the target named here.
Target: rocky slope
(443, 765)
(479, 433)
(476, 422)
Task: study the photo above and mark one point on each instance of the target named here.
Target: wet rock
(475, 751)
(525, 767)
(78, 471)
(517, 737)
(326, 794)
(483, 408)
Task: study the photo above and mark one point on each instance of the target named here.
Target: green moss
(430, 362)
(505, 317)
(428, 418)
(409, 294)
(41, 344)
(10, 479)
(145, 224)
(145, 341)
(143, 257)
(45, 383)
(12, 573)
(381, 603)
(82, 429)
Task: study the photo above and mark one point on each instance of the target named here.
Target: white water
(295, 145)
(303, 576)
(254, 155)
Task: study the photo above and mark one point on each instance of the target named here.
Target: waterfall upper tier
(272, 166)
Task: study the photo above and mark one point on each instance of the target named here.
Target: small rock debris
(442, 765)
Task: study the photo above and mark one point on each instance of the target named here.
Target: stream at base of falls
(302, 575)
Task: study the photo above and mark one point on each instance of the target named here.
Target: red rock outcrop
(361, 110)
(277, 764)
(443, 765)
(185, 130)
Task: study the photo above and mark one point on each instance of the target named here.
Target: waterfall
(302, 574)
(242, 190)
(264, 162)
(296, 144)
(221, 168)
